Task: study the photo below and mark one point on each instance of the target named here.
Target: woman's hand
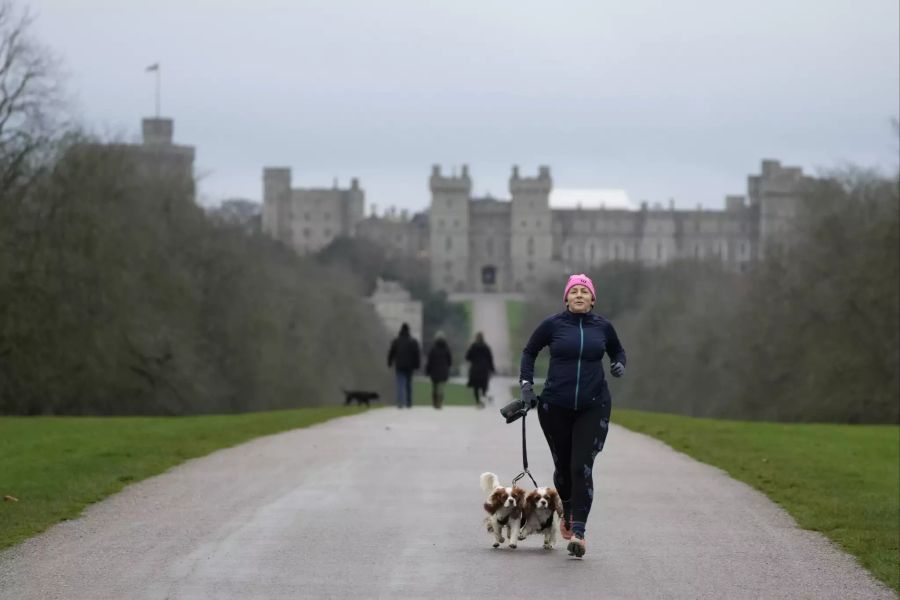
(617, 369)
(529, 399)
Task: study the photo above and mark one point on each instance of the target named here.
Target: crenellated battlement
(542, 184)
(461, 184)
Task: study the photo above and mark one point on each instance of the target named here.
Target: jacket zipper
(578, 371)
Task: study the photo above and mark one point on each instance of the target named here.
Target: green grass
(56, 466)
(519, 331)
(455, 394)
(840, 480)
(467, 309)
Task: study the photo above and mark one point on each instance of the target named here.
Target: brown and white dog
(543, 510)
(504, 506)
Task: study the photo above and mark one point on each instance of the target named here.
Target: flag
(153, 67)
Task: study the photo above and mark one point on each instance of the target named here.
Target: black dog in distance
(360, 397)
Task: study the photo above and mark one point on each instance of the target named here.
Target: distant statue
(481, 367)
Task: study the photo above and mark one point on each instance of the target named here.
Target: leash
(524, 457)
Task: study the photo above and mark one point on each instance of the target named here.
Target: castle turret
(776, 193)
(449, 230)
(157, 131)
(276, 202)
(531, 227)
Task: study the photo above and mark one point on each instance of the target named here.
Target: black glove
(617, 369)
(528, 397)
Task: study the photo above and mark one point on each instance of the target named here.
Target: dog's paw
(496, 544)
(521, 537)
(512, 545)
(548, 546)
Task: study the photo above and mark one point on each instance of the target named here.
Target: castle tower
(276, 203)
(776, 193)
(531, 243)
(449, 230)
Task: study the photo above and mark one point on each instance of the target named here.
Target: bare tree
(30, 99)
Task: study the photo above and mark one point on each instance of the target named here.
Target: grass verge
(840, 480)
(56, 466)
(519, 332)
(455, 394)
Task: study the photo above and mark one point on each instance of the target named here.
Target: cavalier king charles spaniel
(504, 506)
(541, 515)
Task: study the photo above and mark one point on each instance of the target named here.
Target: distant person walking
(437, 367)
(404, 356)
(575, 406)
(480, 368)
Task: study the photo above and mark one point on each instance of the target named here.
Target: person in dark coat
(575, 405)
(481, 367)
(404, 356)
(437, 366)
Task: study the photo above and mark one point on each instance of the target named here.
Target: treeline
(810, 333)
(365, 261)
(119, 296)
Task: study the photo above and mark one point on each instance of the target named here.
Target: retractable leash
(524, 458)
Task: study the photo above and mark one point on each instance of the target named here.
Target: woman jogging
(574, 407)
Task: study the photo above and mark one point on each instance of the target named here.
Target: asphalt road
(386, 504)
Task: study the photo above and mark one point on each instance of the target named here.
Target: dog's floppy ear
(557, 503)
(519, 493)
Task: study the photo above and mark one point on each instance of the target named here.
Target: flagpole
(155, 67)
(157, 90)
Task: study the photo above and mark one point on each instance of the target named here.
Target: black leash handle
(524, 457)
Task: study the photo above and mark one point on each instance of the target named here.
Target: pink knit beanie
(580, 279)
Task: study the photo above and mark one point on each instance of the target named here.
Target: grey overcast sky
(663, 99)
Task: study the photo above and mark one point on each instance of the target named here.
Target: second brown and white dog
(504, 506)
(543, 510)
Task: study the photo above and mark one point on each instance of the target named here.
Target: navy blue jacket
(577, 344)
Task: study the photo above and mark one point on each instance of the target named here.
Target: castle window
(456, 222)
(448, 265)
(306, 216)
(531, 266)
(524, 224)
(327, 216)
(449, 244)
(616, 251)
(659, 254)
(306, 232)
(327, 232)
(530, 246)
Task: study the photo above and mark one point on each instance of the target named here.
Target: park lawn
(56, 466)
(455, 394)
(467, 309)
(840, 480)
(519, 331)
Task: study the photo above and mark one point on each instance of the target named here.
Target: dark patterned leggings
(575, 438)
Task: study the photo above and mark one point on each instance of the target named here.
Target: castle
(495, 245)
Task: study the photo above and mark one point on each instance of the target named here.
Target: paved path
(386, 504)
